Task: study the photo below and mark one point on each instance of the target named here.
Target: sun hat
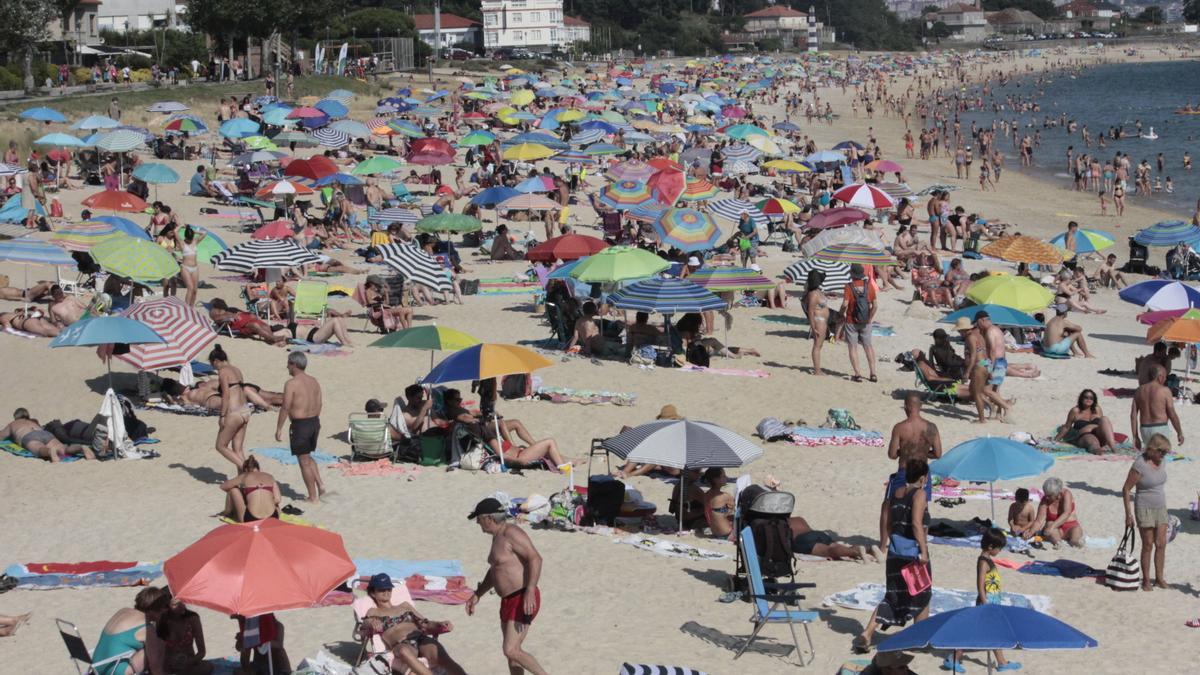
(693, 261)
(963, 323)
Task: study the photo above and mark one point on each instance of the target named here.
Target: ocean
(1108, 96)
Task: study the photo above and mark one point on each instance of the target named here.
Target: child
(1108, 274)
(1021, 515)
(988, 590)
(1103, 204)
(1170, 186)
(1158, 186)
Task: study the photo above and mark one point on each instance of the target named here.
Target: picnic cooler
(1124, 572)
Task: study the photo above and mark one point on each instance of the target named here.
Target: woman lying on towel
(28, 322)
(206, 394)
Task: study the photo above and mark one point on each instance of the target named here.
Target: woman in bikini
(405, 632)
(251, 495)
(28, 322)
(816, 308)
(182, 636)
(235, 410)
(206, 394)
(1056, 516)
(1087, 427)
(189, 268)
(380, 311)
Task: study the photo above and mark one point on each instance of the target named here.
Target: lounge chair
(371, 646)
(311, 303)
(937, 394)
(769, 600)
(369, 437)
(229, 197)
(258, 300)
(80, 655)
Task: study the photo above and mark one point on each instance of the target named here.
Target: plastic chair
(311, 303)
(768, 600)
(80, 655)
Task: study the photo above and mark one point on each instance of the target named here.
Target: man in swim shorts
(1062, 338)
(34, 439)
(302, 406)
(515, 567)
(1153, 409)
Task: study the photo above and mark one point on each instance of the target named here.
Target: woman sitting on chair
(405, 632)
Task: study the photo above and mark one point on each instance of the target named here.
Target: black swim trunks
(303, 435)
(804, 543)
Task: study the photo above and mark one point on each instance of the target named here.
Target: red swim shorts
(512, 607)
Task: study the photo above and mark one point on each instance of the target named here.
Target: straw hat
(669, 412)
(963, 323)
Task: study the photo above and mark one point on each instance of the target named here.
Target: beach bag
(840, 418)
(916, 577)
(473, 459)
(1124, 572)
(697, 355)
(771, 429)
(469, 286)
(604, 499)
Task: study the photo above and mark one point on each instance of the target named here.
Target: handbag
(916, 577)
(472, 460)
(1124, 572)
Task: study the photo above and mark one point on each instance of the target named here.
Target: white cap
(694, 261)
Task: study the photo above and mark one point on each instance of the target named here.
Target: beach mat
(1124, 452)
(729, 372)
(17, 451)
(1120, 392)
(318, 349)
(817, 436)
(867, 596)
(670, 548)
(402, 569)
(581, 396)
(1067, 569)
(107, 575)
(285, 456)
(178, 409)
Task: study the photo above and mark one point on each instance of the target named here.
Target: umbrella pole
(499, 442)
(682, 489)
(992, 499)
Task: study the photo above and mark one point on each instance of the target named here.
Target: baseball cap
(380, 582)
(487, 507)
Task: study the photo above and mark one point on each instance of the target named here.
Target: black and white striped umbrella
(742, 152)
(641, 669)
(732, 209)
(330, 138)
(396, 215)
(416, 265)
(683, 444)
(263, 253)
(837, 274)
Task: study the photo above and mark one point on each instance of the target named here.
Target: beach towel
(1120, 392)
(581, 396)
(14, 449)
(670, 549)
(1014, 544)
(20, 333)
(77, 568)
(136, 576)
(1068, 569)
(866, 597)
(380, 467)
(285, 456)
(402, 569)
(1123, 452)
(642, 669)
(810, 437)
(732, 372)
(942, 491)
(177, 409)
(318, 349)
(443, 591)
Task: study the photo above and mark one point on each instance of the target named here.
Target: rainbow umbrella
(1019, 293)
(634, 169)
(486, 360)
(432, 338)
(862, 254)
(625, 194)
(698, 189)
(84, 236)
(1086, 241)
(186, 125)
(730, 279)
(687, 229)
(774, 206)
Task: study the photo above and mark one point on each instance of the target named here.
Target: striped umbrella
(698, 189)
(896, 191)
(625, 194)
(416, 266)
(1020, 248)
(937, 187)
(263, 254)
(649, 212)
(741, 152)
(396, 215)
(124, 225)
(856, 253)
(186, 125)
(135, 259)
(666, 296)
(836, 217)
(844, 235)
(330, 137)
(587, 136)
(576, 157)
(528, 202)
(186, 330)
(599, 149)
(1161, 294)
(1169, 233)
(774, 206)
(406, 128)
(687, 229)
(121, 140)
(1086, 241)
(730, 279)
(837, 274)
(864, 196)
(477, 137)
(732, 210)
(740, 167)
(283, 187)
(167, 107)
(84, 236)
(634, 170)
(30, 251)
(683, 444)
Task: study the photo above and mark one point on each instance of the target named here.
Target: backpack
(862, 303)
(469, 286)
(697, 355)
(840, 418)
(516, 386)
(134, 428)
(604, 499)
(773, 542)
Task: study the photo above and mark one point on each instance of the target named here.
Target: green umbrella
(478, 138)
(375, 165)
(135, 259)
(449, 222)
(209, 246)
(259, 143)
(618, 263)
(293, 136)
(433, 338)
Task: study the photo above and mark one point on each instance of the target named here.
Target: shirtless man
(414, 413)
(976, 368)
(1159, 357)
(514, 567)
(302, 406)
(30, 435)
(26, 295)
(914, 437)
(587, 335)
(993, 337)
(1063, 337)
(64, 309)
(1152, 409)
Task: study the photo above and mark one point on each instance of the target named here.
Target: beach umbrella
(988, 627)
(565, 247)
(764, 145)
(30, 251)
(276, 229)
(896, 190)
(632, 170)
(600, 149)
(83, 236)
(1020, 248)
(156, 174)
(1183, 328)
(687, 229)
(989, 459)
(376, 165)
(666, 296)
(492, 196)
(136, 259)
(836, 217)
(1086, 241)
(263, 254)
(667, 185)
(744, 131)
(210, 245)
(786, 166)
(730, 279)
(313, 168)
(837, 274)
(774, 206)
(618, 263)
(239, 127)
(93, 122)
(539, 183)
(125, 226)
(60, 140)
(1161, 294)
(526, 152)
(999, 314)
(283, 187)
(843, 235)
(416, 266)
(1018, 293)
(120, 140)
(339, 178)
(115, 200)
(432, 338)
(250, 569)
(741, 152)
(330, 137)
(1169, 233)
(255, 156)
(862, 254)
(937, 187)
(699, 189)
(449, 222)
(624, 194)
(406, 128)
(484, 361)
(332, 107)
(846, 145)
(293, 136)
(106, 330)
(166, 107)
(1151, 318)
(42, 115)
(396, 215)
(306, 113)
(864, 196)
(528, 202)
(185, 330)
(563, 272)
(478, 138)
(885, 166)
(732, 209)
(826, 157)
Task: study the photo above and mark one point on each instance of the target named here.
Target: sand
(603, 603)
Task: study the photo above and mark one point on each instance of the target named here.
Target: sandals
(859, 645)
(1192, 623)
(949, 664)
(856, 378)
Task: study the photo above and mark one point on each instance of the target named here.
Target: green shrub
(83, 75)
(8, 81)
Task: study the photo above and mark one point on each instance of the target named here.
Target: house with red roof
(455, 29)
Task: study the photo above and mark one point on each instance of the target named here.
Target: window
(535, 35)
(111, 23)
(518, 36)
(489, 20)
(535, 17)
(516, 17)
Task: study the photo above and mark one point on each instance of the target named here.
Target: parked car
(456, 54)
(513, 53)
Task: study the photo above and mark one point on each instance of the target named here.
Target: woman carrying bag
(1147, 508)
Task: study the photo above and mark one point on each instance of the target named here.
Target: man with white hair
(302, 406)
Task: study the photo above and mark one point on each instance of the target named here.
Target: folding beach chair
(770, 600)
(80, 655)
(311, 303)
(258, 300)
(369, 437)
(932, 393)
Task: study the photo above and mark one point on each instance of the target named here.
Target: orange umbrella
(1019, 248)
(250, 569)
(115, 200)
(1185, 328)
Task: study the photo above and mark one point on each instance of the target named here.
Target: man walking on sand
(1153, 409)
(302, 405)
(514, 569)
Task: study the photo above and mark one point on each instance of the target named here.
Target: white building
(577, 30)
(454, 30)
(120, 15)
(531, 24)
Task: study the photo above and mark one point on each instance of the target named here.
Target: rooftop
(449, 21)
(775, 12)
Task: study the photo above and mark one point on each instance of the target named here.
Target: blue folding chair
(769, 598)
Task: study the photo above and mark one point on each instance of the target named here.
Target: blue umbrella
(1158, 294)
(1000, 315)
(332, 107)
(1086, 241)
(239, 127)
(124, 225)
(533, 184)
(343, 178)
(93, 122)
(564, 272)
(666, 296)
(156, 174)
(989, 459)
(42, 115)
(60, 140)
(826, 157)
(845, 145)
(1169, 233)
(106, 330)
(987, 627)
(492, 196)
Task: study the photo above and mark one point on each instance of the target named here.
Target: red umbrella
(250, 569)
(566, 247)
(664, 164)
(1151, 318)
(115, 200)
(313, 168)
(304, 112)
(276, 229)
(430, 159)
(837, 217)
(434, 146)
(885, 165)
(187, 333)
(668, 184)
(282, 187)
(865, 196)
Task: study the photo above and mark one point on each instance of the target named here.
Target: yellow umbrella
(1020, 248)
(701, 120)
(786, 165)
(527, 152)
(763, 143)
(570, 115)
(522, 97)
(505, 111)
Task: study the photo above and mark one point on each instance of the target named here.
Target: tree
(1191, 11)
(385, 21)
(869, 24)
(1151, 15)
(23, 24)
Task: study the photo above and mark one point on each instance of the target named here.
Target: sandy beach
(606, 603)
